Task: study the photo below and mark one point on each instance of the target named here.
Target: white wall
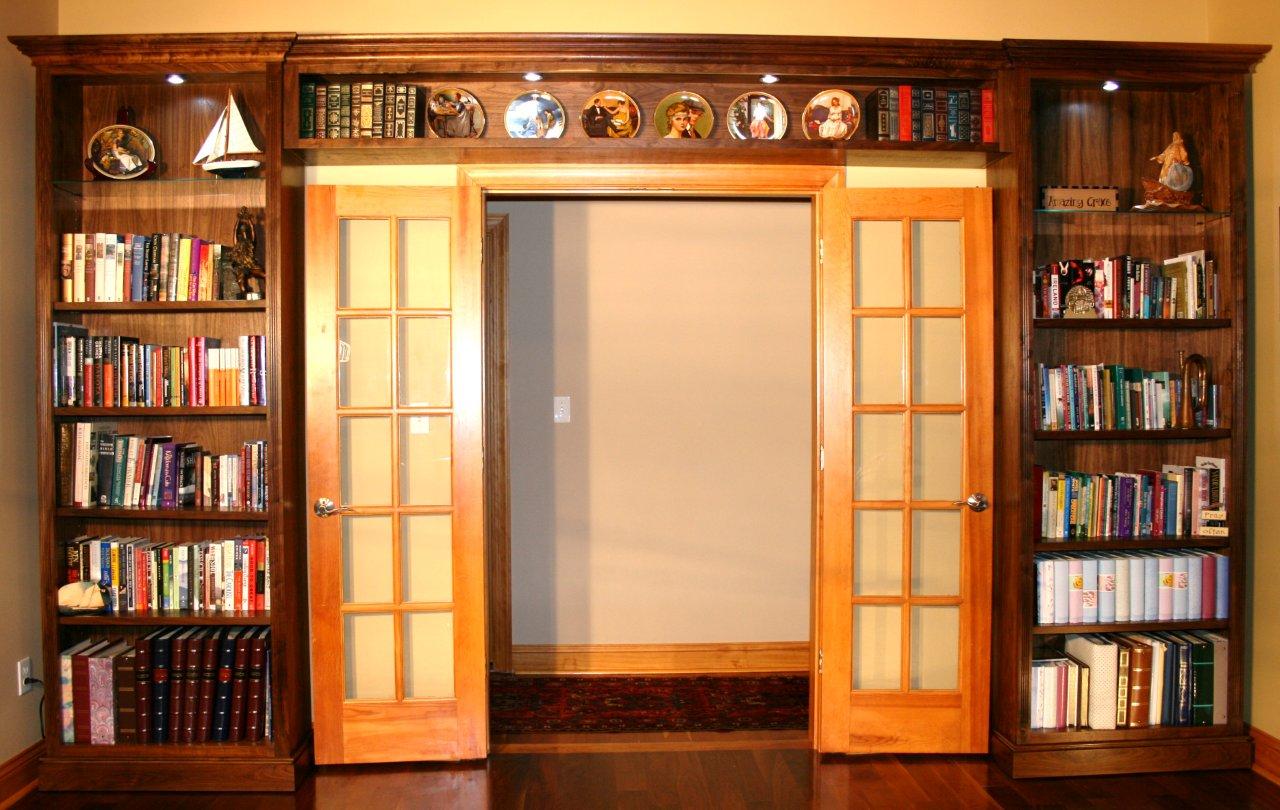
(674, 507)
(19, 537)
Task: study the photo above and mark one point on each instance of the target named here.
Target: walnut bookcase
(81, 82)
(1069, 131)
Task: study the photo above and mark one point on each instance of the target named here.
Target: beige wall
(20, 538)
(1259, 21)
(674, 507)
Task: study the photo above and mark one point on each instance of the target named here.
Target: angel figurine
(250, 276)
(1171, 190)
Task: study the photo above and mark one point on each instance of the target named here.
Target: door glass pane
(364, 263)
(364, 452)
(428, 655)
(427, 558)
(877, 457)
(877, 647)
(424, 362)
(877, 552)
(369, 646)
(937, 460)
(877, 263)
(424, 263)
(935, 552)
(878, 352)
(364, 362)
(366, 559)
(937, 264)
(938, 345)
(935, 647)
(426, 463)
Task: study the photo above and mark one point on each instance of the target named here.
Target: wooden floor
(678, 771)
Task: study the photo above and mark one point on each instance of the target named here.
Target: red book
(208, 680)
(191, 682)
(988, 115)
(142, 687)
(239, 689)
(1208, 586)
(80, 688)
(904, 113)
(177, 683)
(257, 665)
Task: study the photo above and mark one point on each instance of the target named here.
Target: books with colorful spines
(239, 687)
(210, 648)
(1101, 657)
(193, 663)
(102, 712)
(222, 693)
(255, 705)
(161, 688)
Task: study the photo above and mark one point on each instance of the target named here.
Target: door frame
(696, 180)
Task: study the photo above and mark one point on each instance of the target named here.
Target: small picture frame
(120, 152)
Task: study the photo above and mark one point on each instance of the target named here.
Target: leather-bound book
(208, 683)
(239, 688)
(191, 683)
(177, 684)
(257, 664)
(1140, 658)
(126, 696)
(161, 688)
(222, 691)
(142, 686)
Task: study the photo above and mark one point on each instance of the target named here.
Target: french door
(904, 549)
(394, 478)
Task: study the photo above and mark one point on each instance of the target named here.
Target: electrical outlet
(24, 675)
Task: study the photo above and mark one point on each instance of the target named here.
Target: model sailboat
(229, 149)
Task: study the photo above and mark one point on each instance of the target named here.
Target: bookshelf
(81, 83)
(1071, 132)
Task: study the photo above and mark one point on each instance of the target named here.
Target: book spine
(307, 109)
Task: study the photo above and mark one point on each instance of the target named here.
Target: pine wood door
(904, 565)
(394, 473)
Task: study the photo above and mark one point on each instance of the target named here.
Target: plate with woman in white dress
(535, 114)
(832, 115)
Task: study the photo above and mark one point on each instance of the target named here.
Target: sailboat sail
(229, 146)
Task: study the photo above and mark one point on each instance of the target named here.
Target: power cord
(29, 681)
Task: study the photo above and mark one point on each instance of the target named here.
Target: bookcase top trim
(155, 49)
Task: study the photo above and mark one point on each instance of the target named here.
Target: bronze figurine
(250, 275)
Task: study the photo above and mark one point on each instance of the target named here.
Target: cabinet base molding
(1266, 754)
(19, 774)
(187, 772)
(1033, 761)
(768, 656)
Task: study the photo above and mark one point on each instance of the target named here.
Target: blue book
(1061, 591)
(220, 722)
(1137, 589)
(1222, 608)
(1150, 588)
(1181, 580)
(138, 286)
(1195, 573)
(1107, 589)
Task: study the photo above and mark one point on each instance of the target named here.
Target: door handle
(977, 502)
(324, 507)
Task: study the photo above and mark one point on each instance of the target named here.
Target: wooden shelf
(1130, 435)
(211, 618)
(257, 411)
(1129, 544)
(1130, 627)
(161, 514)
(161, 306)
(1089, 735)
(230, 750)
(1131, 323)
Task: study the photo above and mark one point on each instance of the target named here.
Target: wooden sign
(1080, 198)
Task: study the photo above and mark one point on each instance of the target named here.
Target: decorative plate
(684, 115)
(757, 117)
(832, 115)
(120, 152)
(454, 113)
(535, 114)
(611, 114)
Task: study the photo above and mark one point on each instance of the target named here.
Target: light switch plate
(561, 409)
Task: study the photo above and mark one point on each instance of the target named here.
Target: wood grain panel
(1266, 754)
(18, 775)
(671, 658)
(497, 456)
(400, 731)
(603, 743)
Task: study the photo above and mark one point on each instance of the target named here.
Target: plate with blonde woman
(684, 116)
(611, 114)
(832, 115)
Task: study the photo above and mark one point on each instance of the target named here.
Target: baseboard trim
(599, 659)
(20, 774)
(1266, 754)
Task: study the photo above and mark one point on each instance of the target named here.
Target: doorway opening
(649, 426)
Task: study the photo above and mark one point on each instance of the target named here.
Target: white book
(77, 268)
(228, 574)
(1044, 591)
(1037, 696)
(242, 367)
(1101, 656)
(1122, 588)
(1221, 647)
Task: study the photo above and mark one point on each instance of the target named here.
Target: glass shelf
(194, 192)
(1203, 216)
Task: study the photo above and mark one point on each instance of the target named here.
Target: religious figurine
(244, 258)
(1195, 391)
(1171, 190)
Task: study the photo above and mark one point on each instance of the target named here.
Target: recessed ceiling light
(768, 78)
(174, 78)
(533, 76)
(1110, 85)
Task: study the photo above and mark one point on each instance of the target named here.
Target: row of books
(144, 576)
(101, 467)
(123, 372)
(1174, 501)
(138, 267)
(172, 685)
(1136, 586)
(1131, 680)
(1184, 286)
(359, 110)
(912, 113)
(1115, 397)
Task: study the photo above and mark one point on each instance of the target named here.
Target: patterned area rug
(528, 703)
